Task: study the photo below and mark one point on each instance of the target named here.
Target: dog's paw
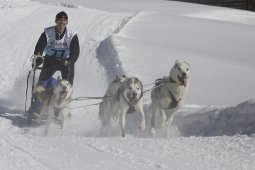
(123, 134)
(152, 132)
(142, 125)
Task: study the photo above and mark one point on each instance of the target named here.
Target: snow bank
(212, 121)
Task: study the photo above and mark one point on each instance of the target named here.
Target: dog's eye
(130, 88)
(187, 69)
(137, 88)
(179, 68)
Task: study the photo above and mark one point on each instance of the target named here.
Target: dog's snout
(134, 94)
(64, 88)
(184, 74)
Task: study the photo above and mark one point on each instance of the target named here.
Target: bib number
(58, 53)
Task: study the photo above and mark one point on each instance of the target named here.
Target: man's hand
(37, 60)
(66, 63)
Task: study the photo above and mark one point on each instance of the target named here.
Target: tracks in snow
(107, 54)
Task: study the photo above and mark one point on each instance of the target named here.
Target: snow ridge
(107, 54)
(230, 121)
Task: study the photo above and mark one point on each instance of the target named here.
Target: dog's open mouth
(131, 99)
(183, 80)
(62, 96)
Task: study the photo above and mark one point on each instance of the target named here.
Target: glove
(66, 63)
(37, 60)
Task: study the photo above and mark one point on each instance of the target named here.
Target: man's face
(61, 24)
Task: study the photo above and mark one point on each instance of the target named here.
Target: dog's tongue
(183, 81)
(131, 100)
(62, 96)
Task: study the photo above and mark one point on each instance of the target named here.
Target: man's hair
(61, 14)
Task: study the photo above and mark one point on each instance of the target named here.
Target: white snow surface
(215, 128)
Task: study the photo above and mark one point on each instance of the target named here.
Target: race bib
(58, 53)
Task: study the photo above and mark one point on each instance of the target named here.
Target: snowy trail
(112, 153)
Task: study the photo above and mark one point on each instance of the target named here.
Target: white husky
(55, 100)
(122, 94)
(169, 93)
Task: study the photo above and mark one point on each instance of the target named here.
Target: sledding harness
(163, 82)
(117, 97)
(158, 83)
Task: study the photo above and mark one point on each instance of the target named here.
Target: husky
(55, 100)
(169, 93)
(110, 93)
(122, 94)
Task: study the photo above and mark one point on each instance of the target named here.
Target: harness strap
(86, 105)
(171, 80)
(87, 98)
(163, 82)
(174, 102)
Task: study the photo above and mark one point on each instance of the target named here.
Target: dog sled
(35, 105)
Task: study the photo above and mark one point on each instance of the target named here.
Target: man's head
(61, 21)
(61, 14)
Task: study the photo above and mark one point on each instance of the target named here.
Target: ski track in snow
(123, 155)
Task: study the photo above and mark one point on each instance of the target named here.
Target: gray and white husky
(169, 94)
(122, 94)
(52, 100)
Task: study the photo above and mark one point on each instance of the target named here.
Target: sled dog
(169, 93)
(122, 94)
(55, 100)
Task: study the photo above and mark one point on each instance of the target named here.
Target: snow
(214, 129)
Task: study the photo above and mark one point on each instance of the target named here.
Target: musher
(61, 46)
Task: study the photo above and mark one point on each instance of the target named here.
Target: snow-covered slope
(212, 121)
(216, 41)
(141, 38)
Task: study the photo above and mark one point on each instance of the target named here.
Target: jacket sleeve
(74, 49)
(41, 43)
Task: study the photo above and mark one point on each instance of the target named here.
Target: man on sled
(61, 48)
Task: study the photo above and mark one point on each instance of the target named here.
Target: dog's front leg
(153, 109)
(49, 119)
(39, 118)
(43, 112)
(123, 120)
(139, 108)
(64, 112)
(169, 120)
(169, 117)
(163, 118)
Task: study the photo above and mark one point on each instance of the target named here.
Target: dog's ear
(187, 63)
(177, 61)
(176, 65)
(136, 80)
